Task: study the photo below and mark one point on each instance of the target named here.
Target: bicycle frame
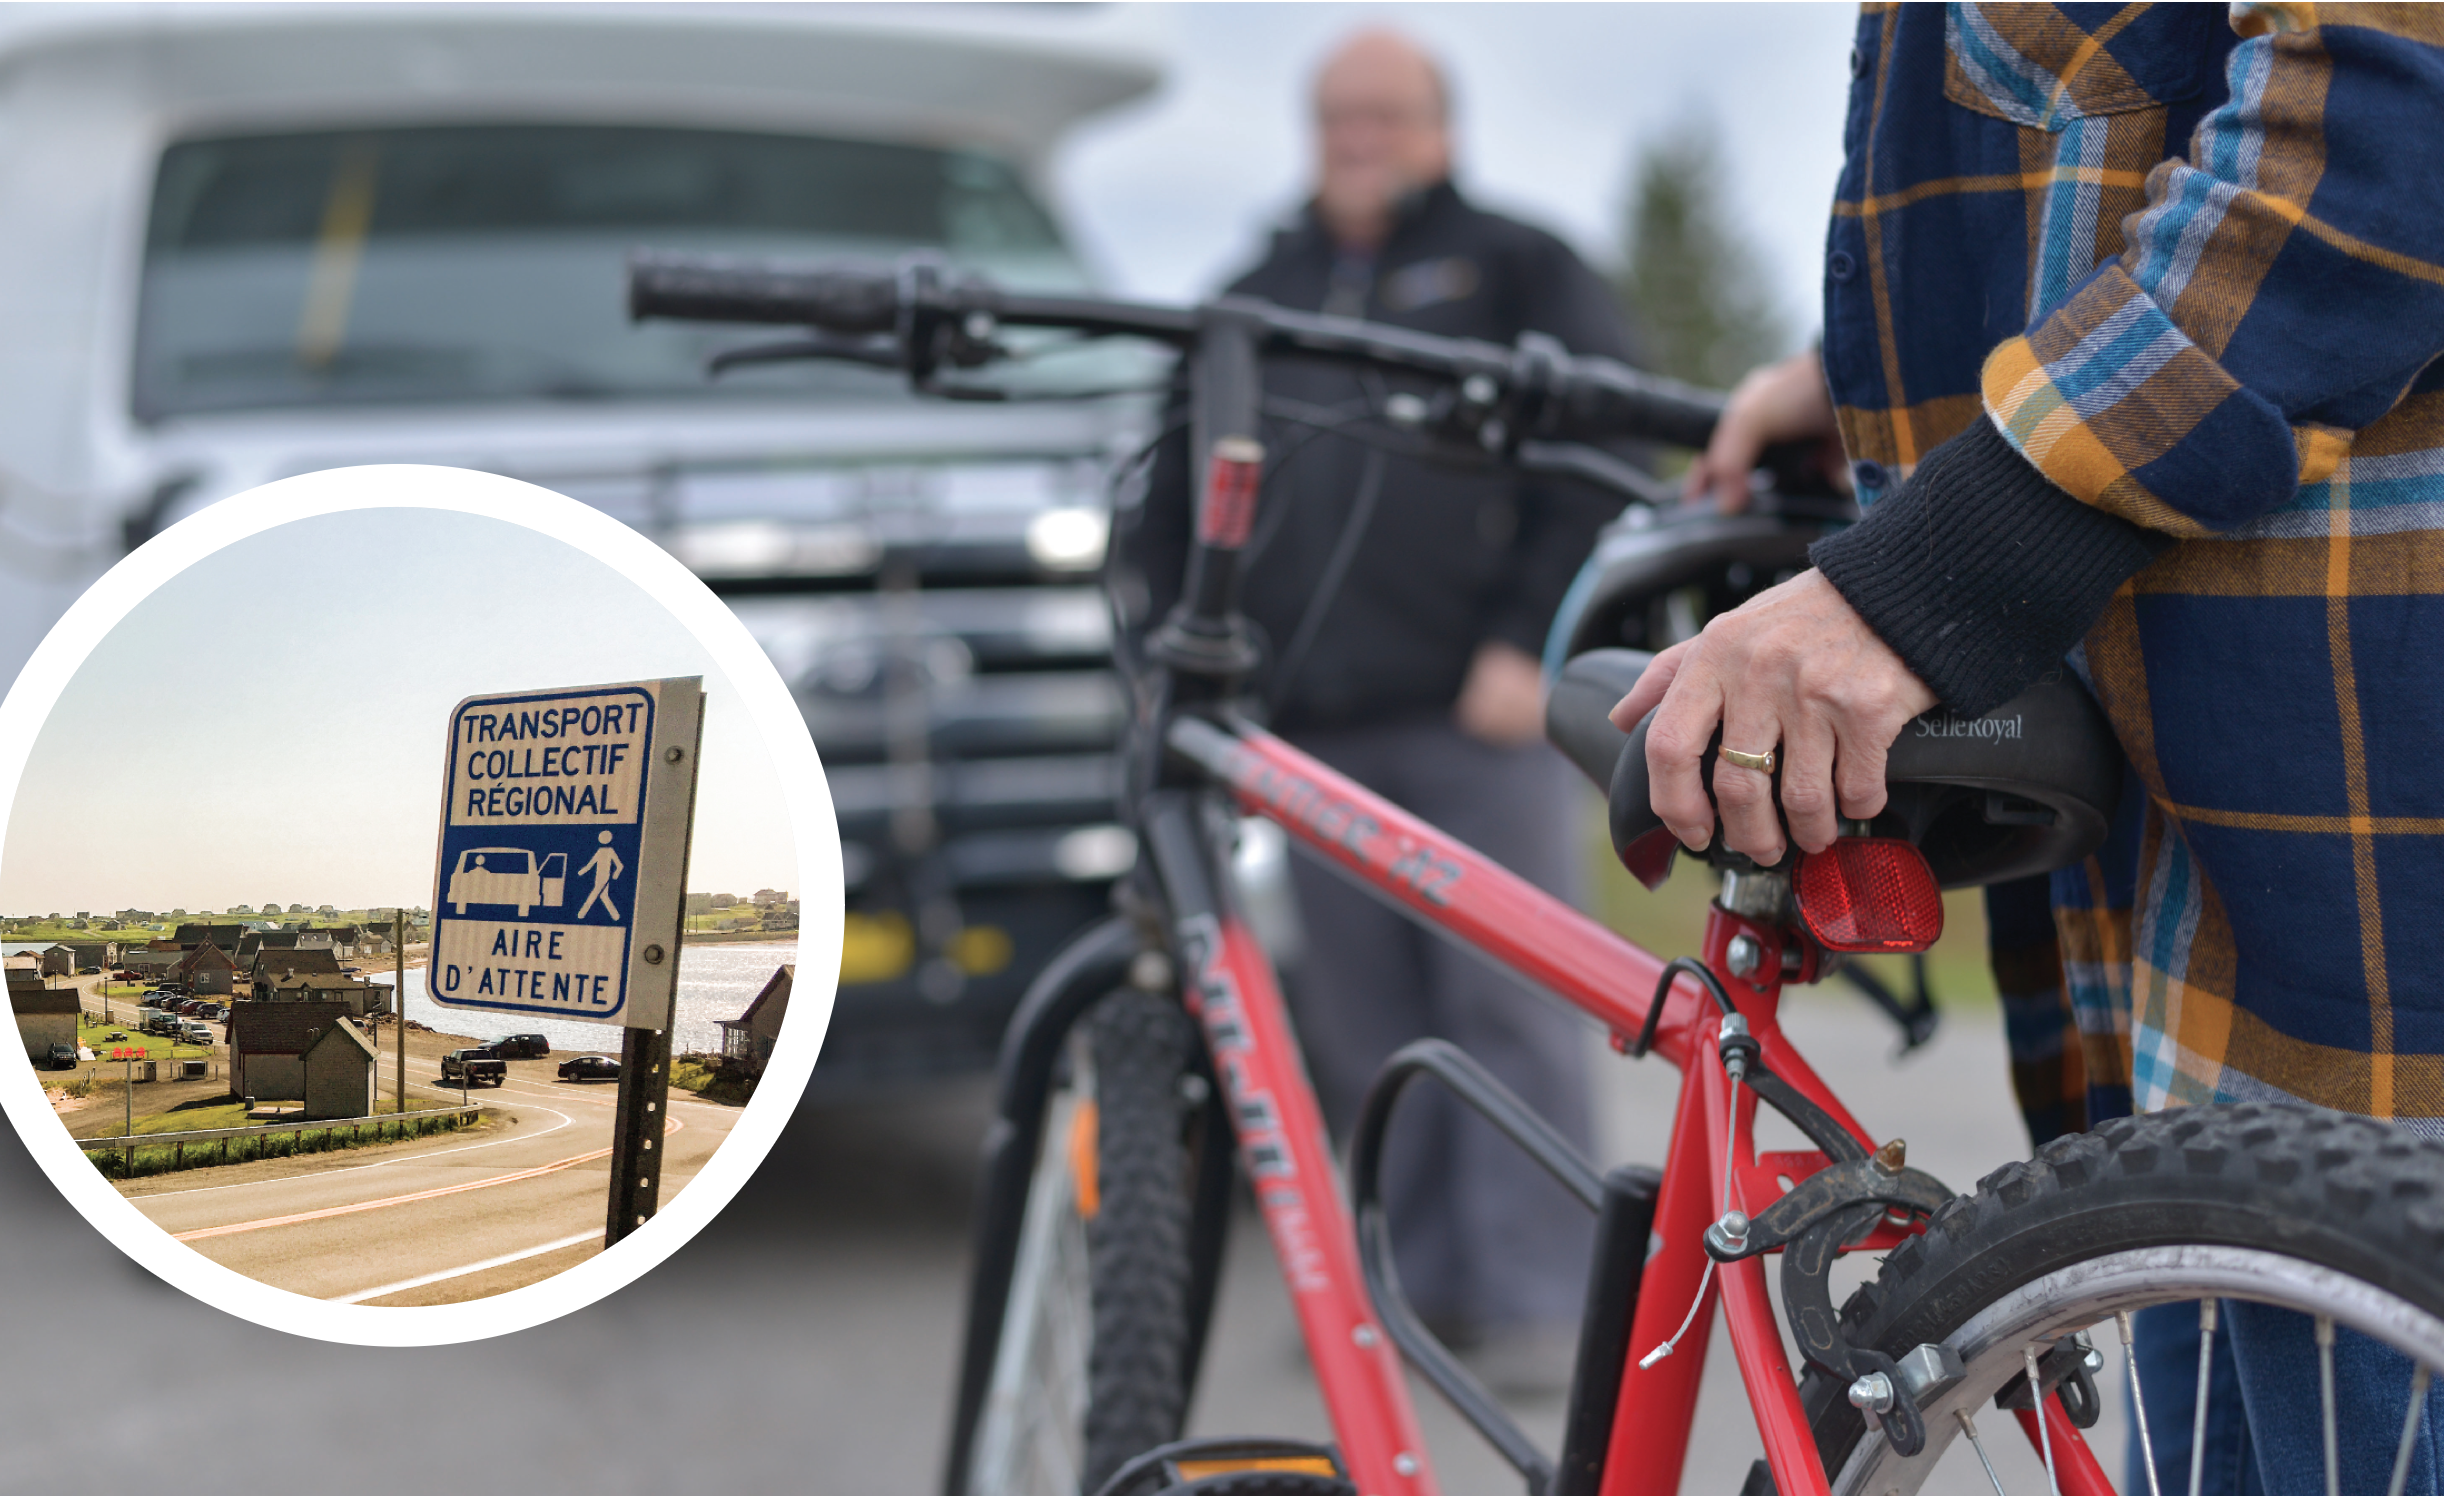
(1230, 987)
(1536, 408)
(1192, 751)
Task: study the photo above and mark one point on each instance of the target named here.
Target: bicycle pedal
(1233, 1467)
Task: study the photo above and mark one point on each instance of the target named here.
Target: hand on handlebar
(1794, 670)
(1774, 404)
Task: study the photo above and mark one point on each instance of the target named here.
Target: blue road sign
(563, 850)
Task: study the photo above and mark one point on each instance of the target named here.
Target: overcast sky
(1172, 192)
(269, 725)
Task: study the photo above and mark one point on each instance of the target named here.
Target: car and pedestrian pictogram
(507, 875)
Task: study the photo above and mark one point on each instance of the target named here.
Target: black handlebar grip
(837, 298)
(1600, 399)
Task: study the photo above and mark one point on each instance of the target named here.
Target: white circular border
(809, 808)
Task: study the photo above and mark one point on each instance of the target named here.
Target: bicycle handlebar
(837, 298)
(1536, 391)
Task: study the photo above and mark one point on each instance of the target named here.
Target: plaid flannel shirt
(2190, 263)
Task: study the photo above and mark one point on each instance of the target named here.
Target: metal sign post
(562, 880)
(398, 998)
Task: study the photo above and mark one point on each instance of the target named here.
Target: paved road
(419, 1216)
(403, 1226)
(805, 1340)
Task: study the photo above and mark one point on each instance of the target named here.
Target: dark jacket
(1448, 559)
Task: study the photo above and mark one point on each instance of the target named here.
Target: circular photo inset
(420, 902)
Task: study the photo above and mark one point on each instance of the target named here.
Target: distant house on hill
(45, 1015)
(225, 936)
(309, 1051)
(102, 953)
(150, 963)
(208, 971)
(255, 941)
(747, 1040)
(276, 961)
(360, 995)
(340, 940)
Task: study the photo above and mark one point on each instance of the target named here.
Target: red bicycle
(1152, 1062)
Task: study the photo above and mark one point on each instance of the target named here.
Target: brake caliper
(1830, 1209)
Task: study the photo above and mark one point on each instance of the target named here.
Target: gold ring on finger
(1763, 763)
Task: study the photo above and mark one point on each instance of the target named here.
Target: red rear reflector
(1869, 893)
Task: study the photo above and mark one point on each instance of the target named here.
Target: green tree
(1690, 279)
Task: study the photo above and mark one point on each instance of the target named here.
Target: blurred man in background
(1402, 607)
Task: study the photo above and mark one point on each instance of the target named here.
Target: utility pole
(398, 998)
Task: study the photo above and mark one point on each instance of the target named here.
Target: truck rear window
(483, 262)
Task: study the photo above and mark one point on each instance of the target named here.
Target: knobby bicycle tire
(2279, 1202)
(1137, 1239)
(1096, 1330)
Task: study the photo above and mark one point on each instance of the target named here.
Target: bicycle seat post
(1751, 942)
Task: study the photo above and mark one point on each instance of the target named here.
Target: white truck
(255, 241)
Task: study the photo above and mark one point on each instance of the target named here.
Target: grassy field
(44, 930)
(96, 1036)
(709, 1083)
(135, 1163)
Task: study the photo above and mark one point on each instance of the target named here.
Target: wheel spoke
(2325, 1391)
(1968, 1426)
(2138, 1400)
(2410, 1432)
(2206, 1367)
(2045, 1435)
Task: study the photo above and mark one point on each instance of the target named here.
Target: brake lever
(880, 352)
(1596, 466)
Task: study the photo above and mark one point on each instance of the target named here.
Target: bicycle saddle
(2026, 788)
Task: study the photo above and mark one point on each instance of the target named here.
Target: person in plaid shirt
(2133, 318)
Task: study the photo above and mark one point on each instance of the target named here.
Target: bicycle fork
(1232, 992)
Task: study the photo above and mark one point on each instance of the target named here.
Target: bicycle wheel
(2338, 1217)
(1092, 1361)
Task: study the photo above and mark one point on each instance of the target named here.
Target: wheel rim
(2087, 1293)
(1031, 1433)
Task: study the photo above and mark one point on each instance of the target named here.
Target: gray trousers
(1485, 1241)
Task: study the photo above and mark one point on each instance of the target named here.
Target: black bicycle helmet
(1656, 575)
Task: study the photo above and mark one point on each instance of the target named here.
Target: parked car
(902, 560)
(474, 1067)
(60, 1057)
(520, 1047)
(194, 1032)
(590, 1067)
(187, 1008)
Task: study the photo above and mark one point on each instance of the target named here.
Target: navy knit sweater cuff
(1979, 572)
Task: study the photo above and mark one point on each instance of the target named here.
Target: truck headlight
(1068, 539)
